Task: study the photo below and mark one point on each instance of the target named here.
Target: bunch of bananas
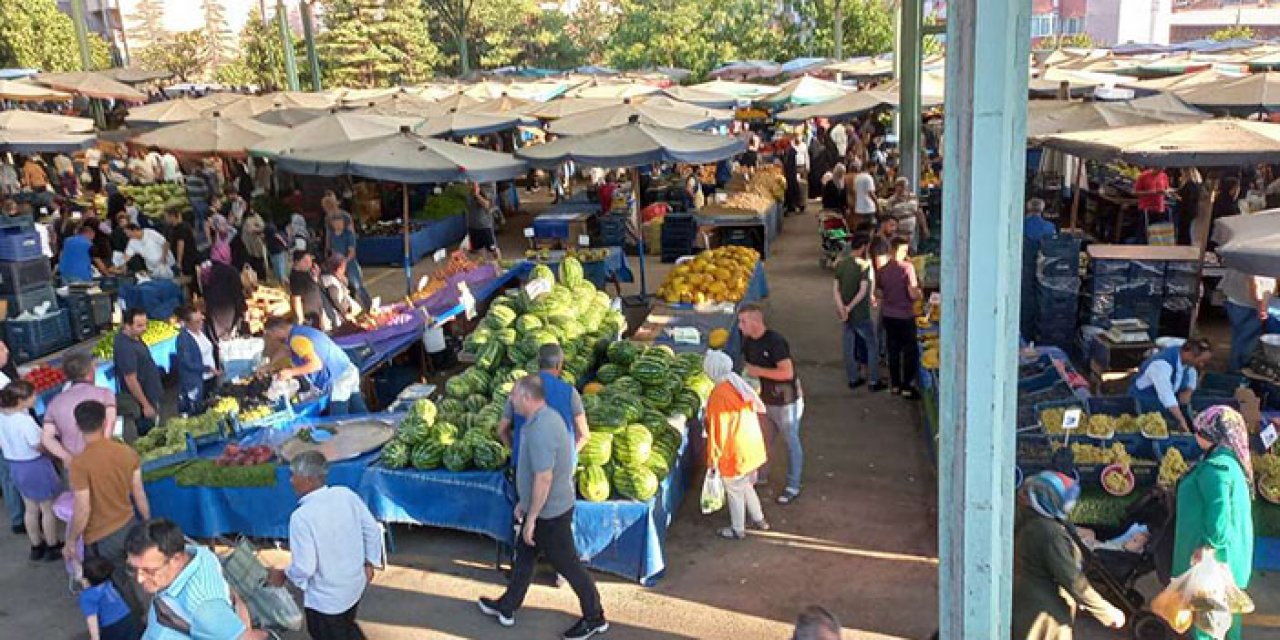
(1172, 467)
(255, 414)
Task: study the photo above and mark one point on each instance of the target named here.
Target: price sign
(1268, 436)
(1071, 420)
(537, 287)
(376, 303)
(422, 282)
(440, 254)
(468, 301)
(528, 232)
(584, 240)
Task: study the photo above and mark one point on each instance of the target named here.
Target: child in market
(30, 468)
(105, 612)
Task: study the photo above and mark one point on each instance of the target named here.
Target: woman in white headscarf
(735, 444)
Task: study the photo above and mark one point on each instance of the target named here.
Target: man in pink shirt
(62, 437)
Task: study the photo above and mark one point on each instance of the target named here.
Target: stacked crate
(679, 230)
(1057, 291)
(1124, 289)
(26, 284)
(87, 313)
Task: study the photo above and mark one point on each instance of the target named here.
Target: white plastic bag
(712, 492)
(1206, 596)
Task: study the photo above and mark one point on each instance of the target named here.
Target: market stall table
(473, 501)
(484, 292)
(665, 317)
(425, 238)
(612, 269)
(767, 226)
(160, 297)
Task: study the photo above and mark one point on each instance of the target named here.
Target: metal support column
(86, 57)
(985, 153)
(908, 61)
(286, 43)
(309, 32)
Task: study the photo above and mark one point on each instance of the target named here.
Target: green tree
(34, 34)
(148, 15)
(590, 28)
(185, 55)
(261, 60)
(868, 25)
(454, 18)
(1233, 32)
(549, 44)
(375, 42)
(216, 30)
(99, 52)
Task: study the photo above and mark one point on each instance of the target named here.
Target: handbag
(712, 491)
(268, 606)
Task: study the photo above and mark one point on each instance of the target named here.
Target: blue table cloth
(426, 238)
(159, 297)
(555, 223)
(474, 501)
(162, 352)
(614, 266)
(488, 290)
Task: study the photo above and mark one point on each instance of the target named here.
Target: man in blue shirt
(1169, 377)
(325, 365)
(75, 263)
(191, 597)
(561, 397)
(1034, 227)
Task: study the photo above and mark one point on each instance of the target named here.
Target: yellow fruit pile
(1153, 425)
(1172, 466)
(1101, 426)
(1266, 468)
(1089, 454)
(718, 275)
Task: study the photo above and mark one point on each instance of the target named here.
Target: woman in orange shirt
(735, 444)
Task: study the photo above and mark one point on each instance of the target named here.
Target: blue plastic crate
(35, 338)
(25, 222)
(18, 244)
(1185, 444)
(1061, 246)
(24, 274)
(28, 300)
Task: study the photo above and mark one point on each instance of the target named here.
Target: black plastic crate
(30, 339)
(82, 325)
(1061, 246)
(24, 274)
(29, 299)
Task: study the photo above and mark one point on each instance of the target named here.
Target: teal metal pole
(309, 33)
(86, 58)
(286, 42)
(908, 60)
(985, 153)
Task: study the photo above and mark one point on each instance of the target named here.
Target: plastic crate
(19, 244)
(1061, 246)
(24, 222)
(1038, 382)
(31, 339)
(28, 300)
(1116, 406)
(1185, 444)
(82, 324)
(1040, 407)
(24, 274)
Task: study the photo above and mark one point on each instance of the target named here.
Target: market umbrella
(302, 99)
(1209, 143)
(801, 66)
(289, 116)
(136, 75)
(747, 70)
(630, 145)
(27, 141)
(456, 124)
(1250, 243)
(561, 107)
(336, 127)
(675, 73)
(456, 102)
(718, 116)
(1184, 81)
(502, 105)
(611, 116)
(745, 90)
(245, 107)
(20, 91)
(1047, 117)
(407, 158)
(167, 112)
(850, 105)
(401, 105)
(863, 67)
(615, 91)
(218, 99)
(36, 121)
(701, 97)
(805, 91)
(1257, 93)
(490, 90)
(91, 85)
(213, 135)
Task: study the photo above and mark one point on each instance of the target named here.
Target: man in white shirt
(840, 138)
(153, 248)
(1169, 376)
(141, 171)
(802, 155)
(336, 545)
(863, 194)
(169, 165)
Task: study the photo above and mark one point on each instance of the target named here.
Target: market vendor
(561, 396)
(324, 364)
(1169, 376)
(76, 261)
(199, 365)
(1247, 304)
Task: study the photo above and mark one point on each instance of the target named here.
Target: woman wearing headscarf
(822, 158)
(1049, 585)
(833, 193)
(735, 443)
(1215, 501)
(224, 298)
(298, 233)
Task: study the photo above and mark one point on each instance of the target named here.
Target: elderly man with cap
(336, 544)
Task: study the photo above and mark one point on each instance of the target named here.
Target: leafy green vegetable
(205, 473)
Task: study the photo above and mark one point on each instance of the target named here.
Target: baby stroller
(834, 236)
(1115, 571)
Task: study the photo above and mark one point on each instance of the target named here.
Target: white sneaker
(490, 608)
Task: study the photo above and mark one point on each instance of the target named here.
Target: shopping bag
(712, 492)
(1205, 596)
(1161, 234)
(269, 606)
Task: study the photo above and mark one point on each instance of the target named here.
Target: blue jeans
(786, 418)
(859, 340)
(280, 265)
(12, 501)
(1246, 328)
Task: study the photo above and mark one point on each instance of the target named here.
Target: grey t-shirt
(546, 445)
(478, 215)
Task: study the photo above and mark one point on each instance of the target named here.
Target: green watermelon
(658, 397)
(633, 445)
(528, 323)
(427, 455)
(700, 384)
(457, 387)
(570, 271)
(500, 316)
(637, 482)
(608, 373)
(396, 454)
(444, 431)
(593, 484)
(606, 415)
(659, 465)
(413, 430)
(489, 455)
(457, 456)
(424, 410)
(623, 352)
(506, 337)
(475, 402)
(490, 355)
(649, 370)
(542, 272)
(597, 450)
(626, 385)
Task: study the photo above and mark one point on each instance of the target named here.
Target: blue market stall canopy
(1250, 243)
(633, 145)
(329, 130)
(404, 157)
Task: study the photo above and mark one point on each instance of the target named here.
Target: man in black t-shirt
(182, 240)
(305, 296)
(768, 358)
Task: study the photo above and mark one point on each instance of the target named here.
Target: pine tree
(217, 30)
(262, 53)
(369, 43)
(148, 21)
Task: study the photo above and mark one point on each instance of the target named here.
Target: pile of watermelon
(633, 443)
(430, 437)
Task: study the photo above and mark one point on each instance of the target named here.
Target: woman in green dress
(1049, 585)
(1215, 501)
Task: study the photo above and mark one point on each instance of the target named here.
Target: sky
(185, 15)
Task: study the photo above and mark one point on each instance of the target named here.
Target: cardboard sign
(1071, 420)
(584, 241)
(537, 287)
(468, 301)
(528, 232)
(1268, 436)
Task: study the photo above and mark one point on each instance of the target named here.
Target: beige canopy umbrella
(562, 107)
(301, 99)
(19, 91)
(745, 90)
(35, 121)
(212, 135)
(676, 105)
(620, 114)
(402, 105)
(850, 105)
(1257, 93)
(167, 112)
(615, 91)
(932, 84)
(502, 105)
(136, 75)
(90, 84)
(1209, 143)
(218, 99)
(290, 116)
(863, 68)
(805, 90)
(334, 128)
(245, 107)
(461, 124)
(701, 97)
(1047, 117)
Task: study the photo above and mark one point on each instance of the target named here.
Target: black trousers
(553, 538)
(902, 351)
(340, 626)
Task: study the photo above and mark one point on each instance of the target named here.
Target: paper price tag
(1071, 420)
(468, 301)
(528, 232)
(440, 254)
(584, 241)
(536, 288)
(422, 282)
(376, 303)
(1268, 436)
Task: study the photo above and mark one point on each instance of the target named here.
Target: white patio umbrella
(20, 91)
(212, 135)
(167, 112)
(337, 127)
(1210, 143)
(611, 116)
